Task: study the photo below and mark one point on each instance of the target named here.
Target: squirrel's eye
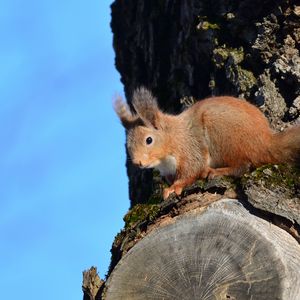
(149, 140)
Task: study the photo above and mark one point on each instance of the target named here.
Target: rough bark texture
(188, 50)
(191, 49)
(275, 189)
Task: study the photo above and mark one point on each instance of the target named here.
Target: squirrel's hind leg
(229, 171)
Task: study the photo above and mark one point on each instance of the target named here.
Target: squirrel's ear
(128, 119)
(146, 107)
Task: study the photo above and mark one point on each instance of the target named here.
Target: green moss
(200, 183)
(230, 181)
(205, 25)
(275, 175)
(246, 79)
(243, 79)
(222, 54)
(140, 213)
(230, 59)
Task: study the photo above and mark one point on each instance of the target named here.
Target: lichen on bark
(276, 189)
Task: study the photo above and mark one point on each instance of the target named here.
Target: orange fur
(214, 137)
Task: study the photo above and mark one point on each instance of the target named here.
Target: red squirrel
(213, 137)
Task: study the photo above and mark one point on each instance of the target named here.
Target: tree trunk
(192, 49)
(220, 253)
(203, 245)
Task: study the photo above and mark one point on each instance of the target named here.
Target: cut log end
(223, 253)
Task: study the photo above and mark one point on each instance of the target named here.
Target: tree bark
(187, 50)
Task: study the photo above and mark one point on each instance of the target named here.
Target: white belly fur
(167, 166)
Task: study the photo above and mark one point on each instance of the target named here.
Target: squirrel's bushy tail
(286, 146)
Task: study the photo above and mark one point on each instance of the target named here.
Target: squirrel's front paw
(172, 189)
(212, 174)
(167, 192)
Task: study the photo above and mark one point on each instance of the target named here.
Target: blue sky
(63, 184)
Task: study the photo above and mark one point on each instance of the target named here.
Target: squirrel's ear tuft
(146, 106)
(128, 119)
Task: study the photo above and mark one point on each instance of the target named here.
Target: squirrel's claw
(167, 192)
(172, 189)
